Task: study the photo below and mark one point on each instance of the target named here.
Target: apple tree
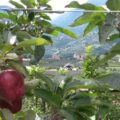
(108, 27)
(22, 33)
(26, 32)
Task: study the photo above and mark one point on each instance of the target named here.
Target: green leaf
(39, 53)
(112, 80)
(4, 15)
(48, 7)
(33, 42)
(77, 84)
(44, 23)
(21, 35)
(107, 28)
(13, 17)
(11, 56)
(9, 16)
(97, 18)
(68, 114)
(31, 84)
(44, 16)
(54, 33)
(114, 51)
(47, 80)
(48, 38)
(19, 67)
(103, 60)
(48, 96)
(28, 3)
(16, 4)
(86, 6)
(42, 2)
(85, 18)
(83, 99)
(73, 4)
(31, 16)
(113, 4)
(66, 32)
(74, 85)
(2, 26)
(113, 37)
(25, 50)
(22, 19)
(88, 111)
(6, 48)
(90, 27)
(104, 108)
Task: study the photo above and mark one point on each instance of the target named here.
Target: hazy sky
(56, 4)
(59, 4)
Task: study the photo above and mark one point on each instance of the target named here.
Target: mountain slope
(65, 45)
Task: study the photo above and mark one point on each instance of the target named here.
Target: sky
(60, 4)
(56, 4)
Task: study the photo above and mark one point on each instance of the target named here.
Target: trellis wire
(57, 11)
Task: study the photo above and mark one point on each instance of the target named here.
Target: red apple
(11, 85)
(13, 106)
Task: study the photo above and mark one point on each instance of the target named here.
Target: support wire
(57, 11)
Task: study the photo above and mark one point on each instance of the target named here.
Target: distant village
(77, 56)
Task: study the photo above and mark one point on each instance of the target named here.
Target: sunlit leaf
(4, 15)
(28, 3)
(86, 6)
(33, 42)
(94, 18)
(9, 16)
(42, 2)
(85, 18)
(54, 33)
(16, 4)
(6, 48)
(90, 27)
(43, 15)
(66, 32)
